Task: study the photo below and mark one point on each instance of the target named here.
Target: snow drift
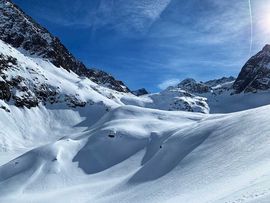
(132, 151)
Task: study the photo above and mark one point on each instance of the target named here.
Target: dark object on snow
(111, 135)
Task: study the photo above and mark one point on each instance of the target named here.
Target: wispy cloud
(123, 16)
(145, 42)
(167, 83)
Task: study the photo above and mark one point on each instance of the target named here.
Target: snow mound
(133, 151)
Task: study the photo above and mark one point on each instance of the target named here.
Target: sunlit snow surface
(124, 148)
(135, 154)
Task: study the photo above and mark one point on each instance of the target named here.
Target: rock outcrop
(255, 74)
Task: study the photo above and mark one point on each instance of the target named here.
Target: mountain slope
(28, 81)
(69, 134)
(21, 31)
(131, 152)
(221, 97)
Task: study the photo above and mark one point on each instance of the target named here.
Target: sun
(263, 20)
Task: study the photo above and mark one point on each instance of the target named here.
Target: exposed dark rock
(255, 75)
(73, 101)
(140, 92)
(4, 108)
(111, 136)
(27, 100)
(214, 83)
(20, 30)
(5, 93)
(193, 86)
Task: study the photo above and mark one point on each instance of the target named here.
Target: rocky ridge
(21, 31)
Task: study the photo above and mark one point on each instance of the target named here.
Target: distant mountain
(215, 83)
(21, 31)
(71, 134)
(212, 86)
(255, 74)
(140, 92)
(193, 86)
(221, 95)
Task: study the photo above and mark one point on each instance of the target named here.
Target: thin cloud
(167, 83)
(123, 16)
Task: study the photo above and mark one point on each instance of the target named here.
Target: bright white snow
(135, 154)
(123, 148)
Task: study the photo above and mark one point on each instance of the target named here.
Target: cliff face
(255, 74)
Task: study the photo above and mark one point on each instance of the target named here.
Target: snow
(123, 148)
(154, 156)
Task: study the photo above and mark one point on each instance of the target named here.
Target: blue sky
(156, 43)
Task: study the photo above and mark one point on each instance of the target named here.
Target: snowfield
(134, 154)
(65, 138)
(93, 144)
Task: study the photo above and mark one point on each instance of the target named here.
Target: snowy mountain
(222, 95)
(192, 86)
(29, 73)
(21, 31)
(140, 92)
(72, 134)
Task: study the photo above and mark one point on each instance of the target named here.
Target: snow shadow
(103, 151)
(170, 154)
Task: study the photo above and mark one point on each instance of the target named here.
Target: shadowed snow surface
(133, 154)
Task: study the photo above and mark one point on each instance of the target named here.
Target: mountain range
(71, 133)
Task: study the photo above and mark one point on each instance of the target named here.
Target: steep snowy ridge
(28, 81)
(21, 31)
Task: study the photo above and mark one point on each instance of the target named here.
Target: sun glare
(264, 20)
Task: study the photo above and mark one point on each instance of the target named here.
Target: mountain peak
(193, 86)
(255, 74)
(21, 31)
(140, 92)
(266, 48)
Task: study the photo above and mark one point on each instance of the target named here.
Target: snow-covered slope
(29, 81)
(171, 99)
(221, 97)
(22, 32)
(69, 134)
(135, 154)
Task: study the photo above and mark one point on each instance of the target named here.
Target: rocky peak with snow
(255, 74)
(216, 82)
(140, 92)
(21, 31)
(193, 86)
